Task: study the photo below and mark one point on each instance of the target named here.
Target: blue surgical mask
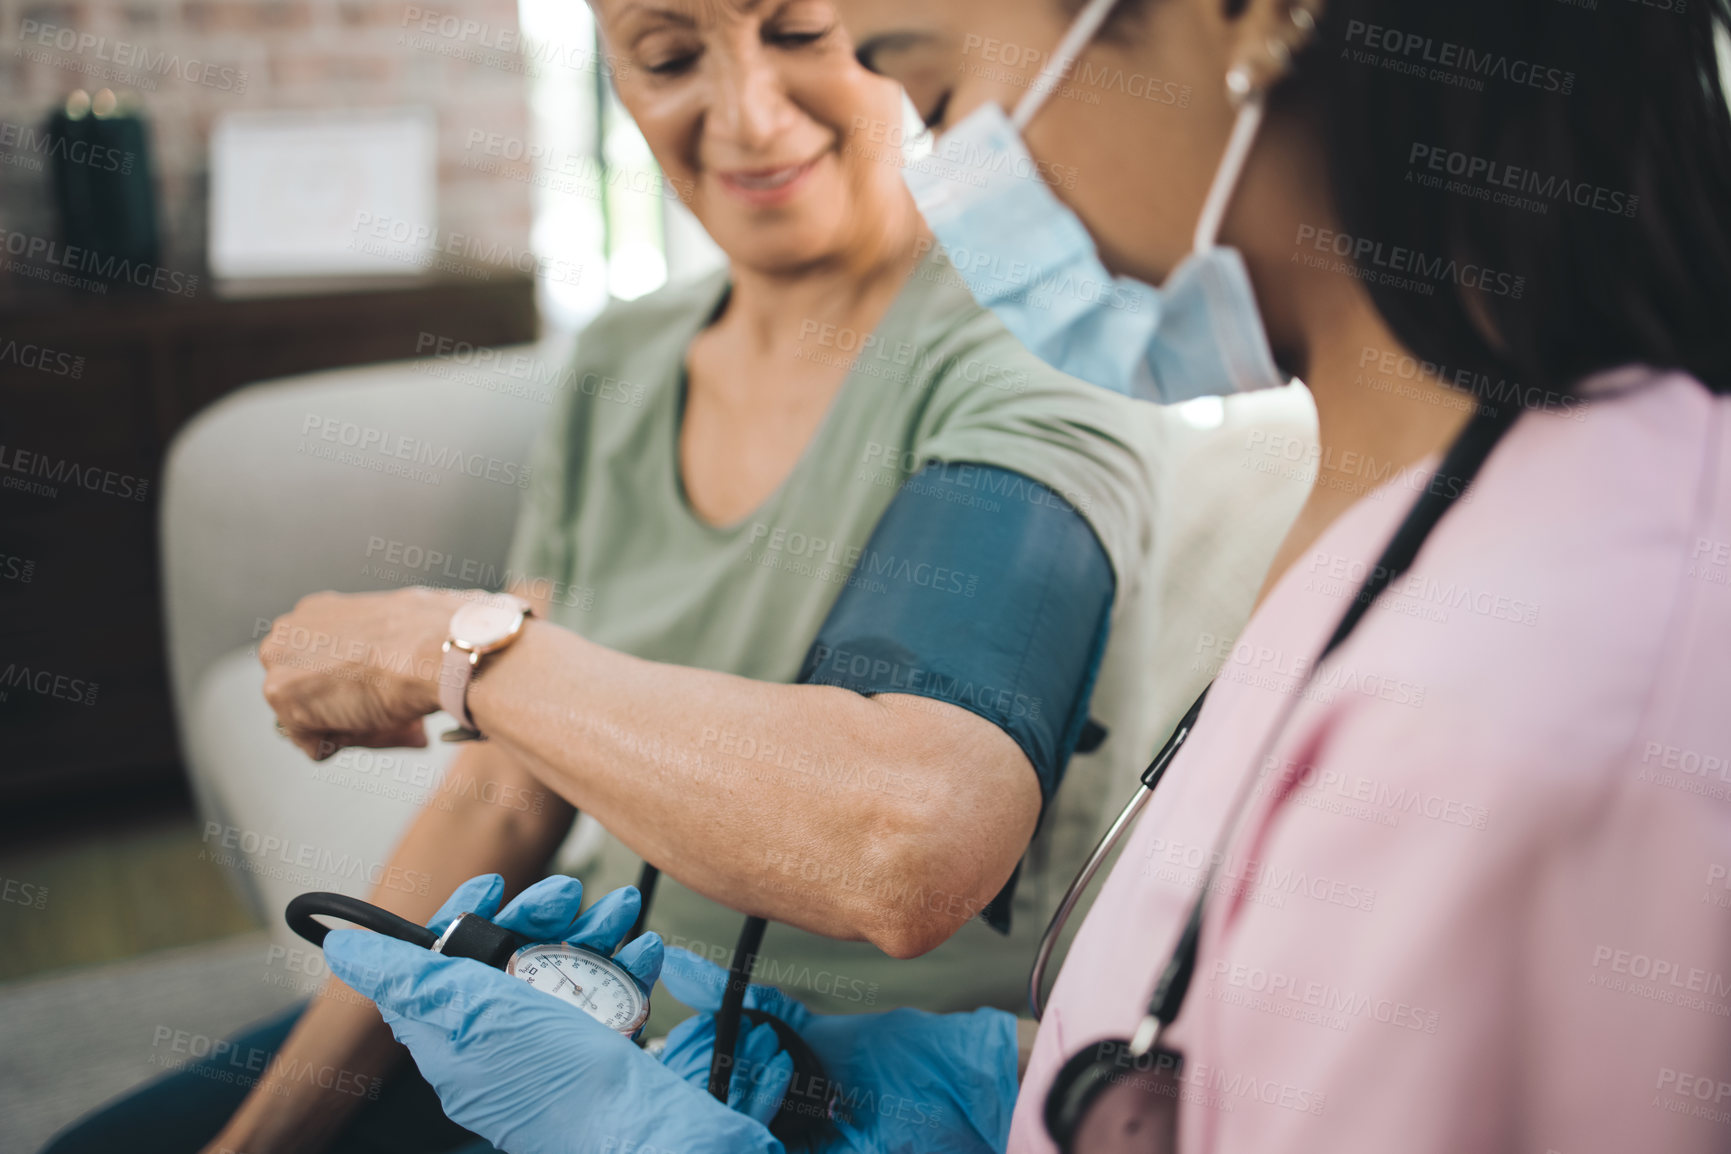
(1029, 258)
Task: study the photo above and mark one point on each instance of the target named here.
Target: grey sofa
(294, 486)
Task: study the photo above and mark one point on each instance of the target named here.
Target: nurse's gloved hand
(524, 1070)
(761, 1069)
(905, 1081)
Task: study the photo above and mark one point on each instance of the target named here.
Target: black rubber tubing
(301, 909)
(732, 1007)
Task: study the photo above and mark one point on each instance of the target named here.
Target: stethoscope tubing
(1049, 940)
(1103, 850)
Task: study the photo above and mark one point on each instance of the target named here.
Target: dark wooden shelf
(92, 609)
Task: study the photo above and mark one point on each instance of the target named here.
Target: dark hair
(1619, 100)
(1583, 147)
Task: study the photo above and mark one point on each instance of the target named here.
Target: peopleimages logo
(1498, 390)
(41, 142)
(546, 378)
(1075, 79)
(1042, 286)
(41, 358)
(409, 242)
(512, 49)
(1444, 60)
(970, 157)
(47, 683)
(52, 254)
(124, 54)
(1510, 184)
(60, 471)
(385, 443)
(1399, 266)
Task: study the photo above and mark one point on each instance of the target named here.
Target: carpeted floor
(117, 940)
(83, 890)
(71, 1041)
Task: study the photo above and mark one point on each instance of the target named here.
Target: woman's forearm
(288, 1109)
(489, 816)
(891, 819)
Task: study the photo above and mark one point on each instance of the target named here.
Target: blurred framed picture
(300, 194)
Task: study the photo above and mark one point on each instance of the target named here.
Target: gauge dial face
(594, 984)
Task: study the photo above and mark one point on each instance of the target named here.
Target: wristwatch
(485, 625)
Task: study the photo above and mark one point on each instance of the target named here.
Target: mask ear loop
(1251, 99)
(1226, 176)
(1081, 30)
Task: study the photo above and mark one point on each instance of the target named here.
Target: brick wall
(188, 61)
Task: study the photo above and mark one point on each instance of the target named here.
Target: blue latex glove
(524, 1070)
(905, 1081)
(761, 1069)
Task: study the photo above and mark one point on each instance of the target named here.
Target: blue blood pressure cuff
(985, 589)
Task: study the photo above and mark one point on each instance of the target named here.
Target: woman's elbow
(932, 860)
(928, 883)
(905, 932)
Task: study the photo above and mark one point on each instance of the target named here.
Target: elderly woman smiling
(853, 561)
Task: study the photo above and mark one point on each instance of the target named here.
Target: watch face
(482, 625)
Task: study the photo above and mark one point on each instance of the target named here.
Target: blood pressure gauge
(592, 982)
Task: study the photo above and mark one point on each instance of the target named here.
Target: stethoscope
(1129, 1079)
(1109, 842)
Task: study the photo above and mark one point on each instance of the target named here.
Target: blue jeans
(178, 1113)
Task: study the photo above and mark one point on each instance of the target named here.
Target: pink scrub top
(1481, 897)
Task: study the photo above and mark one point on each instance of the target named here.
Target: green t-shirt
(631, 567)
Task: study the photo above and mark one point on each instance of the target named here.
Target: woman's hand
(347, 669)
(902, 1082)
(525, 1070)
